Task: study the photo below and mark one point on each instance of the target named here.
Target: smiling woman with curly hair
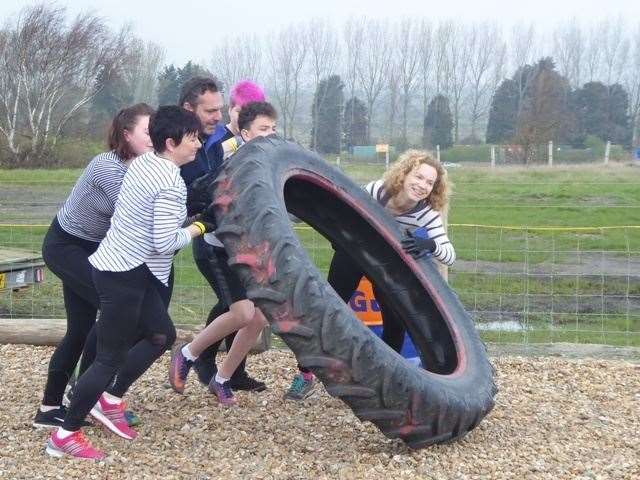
(415, 190)
(394, 178)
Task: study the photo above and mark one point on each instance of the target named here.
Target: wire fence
(520, 283)
(524, 285)
(550, 154)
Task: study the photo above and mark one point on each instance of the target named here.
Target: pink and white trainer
(112, 416)
(75, 445)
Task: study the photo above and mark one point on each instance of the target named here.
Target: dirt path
(584, 263)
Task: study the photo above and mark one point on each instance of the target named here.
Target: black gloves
(417, 246)
(206, 221)
(200, 193)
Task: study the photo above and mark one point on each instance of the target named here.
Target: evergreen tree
(168, 86)
(189, 71)
(589, 112)
(113, 95)
(501, 126)
(171, 80)
(438, 124)
(355, 123)
(618, 122)
(326, 115)
(600, 111)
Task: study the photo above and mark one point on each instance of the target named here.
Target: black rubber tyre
(443, 401)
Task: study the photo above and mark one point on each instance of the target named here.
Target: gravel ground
(554, 419)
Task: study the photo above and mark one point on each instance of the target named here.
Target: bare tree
(407, 46)
(523, 49)
(141, 68)
(393, 85)
(373, 63)
(351, 36)
(425, 50)
(615, 49)
(323, 58)
(593, 55)
(458, 58)
(10, 92)
(287, 55)
(632, 84)
(237, 58)
(522, 45)
(486, 69)
(442, 37)
(569, 51)
(53, 69)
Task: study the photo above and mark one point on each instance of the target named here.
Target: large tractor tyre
(440, 402)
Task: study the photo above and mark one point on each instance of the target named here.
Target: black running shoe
(206, 369)
(53, 418)
(245, 382)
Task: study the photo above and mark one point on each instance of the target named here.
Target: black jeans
(67, 257)
(211, 262)
(126, 298)
(344, 276)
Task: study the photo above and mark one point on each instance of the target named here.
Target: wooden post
(386, 159)
(493, 156)
(49, 331)
(338, 160)
(442, 268)
(607, 152)
(550, 153)
(438, 152)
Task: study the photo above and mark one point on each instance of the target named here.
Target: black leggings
(66, 256)
(344, 276)
(153, 330)
(213, 271)
(126, 298)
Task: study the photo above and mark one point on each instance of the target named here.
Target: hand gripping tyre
(438, 403)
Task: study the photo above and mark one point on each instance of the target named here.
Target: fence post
(550, 153)
(386, 159)
(607, 151)
(493, 156)
(338, 160)
(442, 268)
(438, 152)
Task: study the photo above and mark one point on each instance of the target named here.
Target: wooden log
(49, 331)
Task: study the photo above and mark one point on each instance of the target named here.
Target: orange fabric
(364, 304)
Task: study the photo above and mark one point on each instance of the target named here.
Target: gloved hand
(206, 219)
(417, 246)
(209, 214)
(199, 193)
(204, 226)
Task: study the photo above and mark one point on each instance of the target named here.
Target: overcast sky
(188, 29)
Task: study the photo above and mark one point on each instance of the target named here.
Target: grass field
(574, 282)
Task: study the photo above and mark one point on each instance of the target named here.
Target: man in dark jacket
(202, 96)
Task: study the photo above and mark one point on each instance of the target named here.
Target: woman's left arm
(444, 251)
(168, 218)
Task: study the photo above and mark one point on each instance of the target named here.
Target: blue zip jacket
(208, 158)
